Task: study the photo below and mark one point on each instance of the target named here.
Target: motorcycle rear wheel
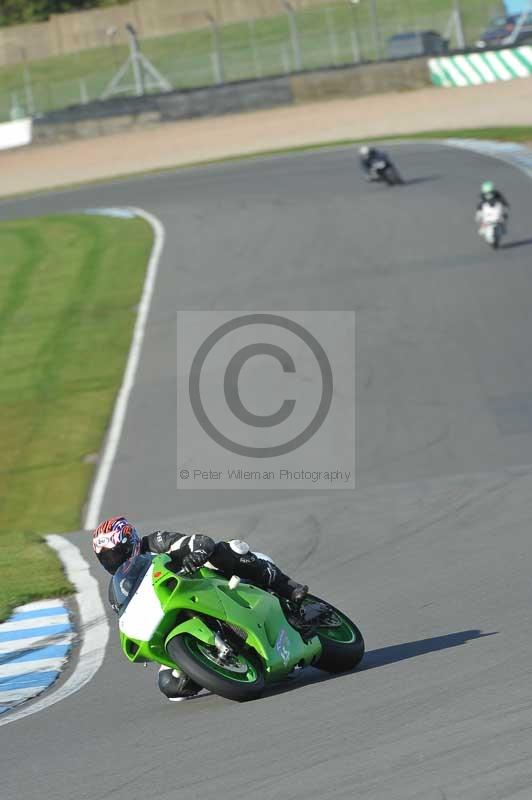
(240, 678)
(342, 644)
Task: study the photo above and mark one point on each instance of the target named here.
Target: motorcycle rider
(115, 541)
(491, 196)
(369, 156)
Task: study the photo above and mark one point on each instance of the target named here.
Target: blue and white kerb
(34, 645)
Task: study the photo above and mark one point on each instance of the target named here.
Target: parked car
(416, 43)
(508, 30)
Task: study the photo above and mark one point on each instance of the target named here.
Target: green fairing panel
(196, 627)
(263, 626)
(256, 612)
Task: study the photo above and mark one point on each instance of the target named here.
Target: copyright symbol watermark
(231, 388)
(260, 388)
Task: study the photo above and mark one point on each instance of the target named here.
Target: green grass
(329, 35)
(68, 290)
(515, 134)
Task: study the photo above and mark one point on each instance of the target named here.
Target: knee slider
(175, 684)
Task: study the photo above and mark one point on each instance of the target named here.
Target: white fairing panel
(143, 613)
(491, 215)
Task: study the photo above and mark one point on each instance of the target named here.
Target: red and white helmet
(115, 541)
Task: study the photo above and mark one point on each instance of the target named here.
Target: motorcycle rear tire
(339, 656)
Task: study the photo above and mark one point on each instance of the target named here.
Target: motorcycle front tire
(241, 681)
(392, 177)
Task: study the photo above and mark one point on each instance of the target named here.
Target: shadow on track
(380, 658)
(425, 179)
(406, 650)
(520, 243)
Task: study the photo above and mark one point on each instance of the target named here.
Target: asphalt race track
(430, 555)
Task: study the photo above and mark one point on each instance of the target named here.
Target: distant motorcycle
(492, 223)
(384, 172)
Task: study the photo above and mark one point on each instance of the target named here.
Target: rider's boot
(175, 684)
(268, 575)
(299, 592)
(289, 589)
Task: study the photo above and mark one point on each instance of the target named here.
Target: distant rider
(369, 156)
(116, 540)
(491, 196)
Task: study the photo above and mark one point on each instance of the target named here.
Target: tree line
(16, 12)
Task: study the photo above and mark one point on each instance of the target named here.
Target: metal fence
(340, 33)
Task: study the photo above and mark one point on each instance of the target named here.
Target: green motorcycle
(230, 637)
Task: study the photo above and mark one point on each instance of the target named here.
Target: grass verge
(68, 290)
(515, 134)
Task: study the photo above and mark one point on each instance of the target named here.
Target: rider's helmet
(115, 541)
(364, 151)
(488, 189)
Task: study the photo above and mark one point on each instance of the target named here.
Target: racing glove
(195, 560)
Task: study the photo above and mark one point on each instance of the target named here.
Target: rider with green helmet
(489, 194)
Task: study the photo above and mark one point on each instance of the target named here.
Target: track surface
(430, 555)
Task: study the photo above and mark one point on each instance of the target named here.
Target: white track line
(38, 605)
(120, 409)
(93, 625)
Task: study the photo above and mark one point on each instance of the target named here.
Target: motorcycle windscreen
(126, 580)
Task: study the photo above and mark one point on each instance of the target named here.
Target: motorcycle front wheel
(238, 677)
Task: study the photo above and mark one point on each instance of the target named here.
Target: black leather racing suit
(493, 198)
(193, 551)
(372, 158)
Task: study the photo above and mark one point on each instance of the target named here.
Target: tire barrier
(473, 69)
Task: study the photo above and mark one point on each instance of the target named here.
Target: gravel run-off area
(180, 143)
